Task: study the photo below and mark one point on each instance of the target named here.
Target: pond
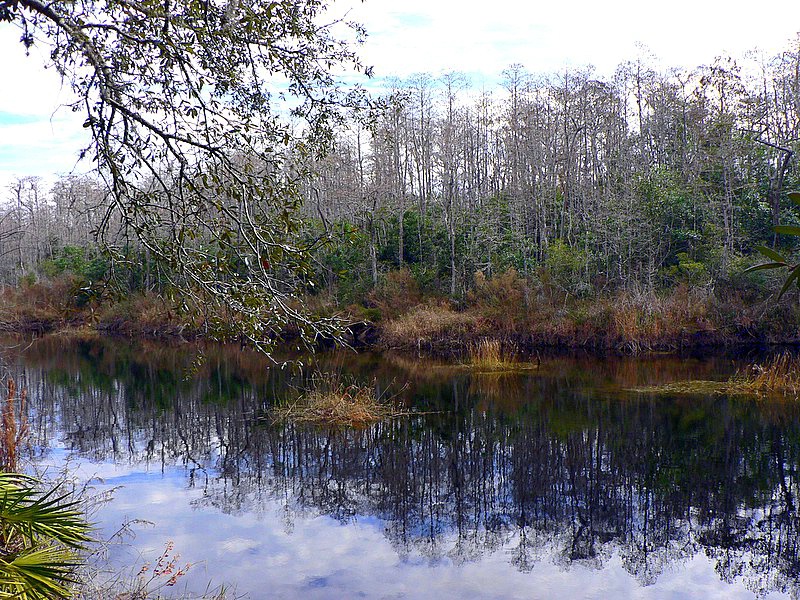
(555, 482)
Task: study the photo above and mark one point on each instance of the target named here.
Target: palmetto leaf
(774, 265)
(38, 573)
(787, 229)
(770, 253)
(40, 533)
(792, 277)
(26, 512)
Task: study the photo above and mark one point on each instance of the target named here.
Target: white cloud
(426, 35)
(38, 135)
(430, 36)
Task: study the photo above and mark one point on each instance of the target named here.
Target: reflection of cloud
(445, 510)
(238, 545)
(321, 558)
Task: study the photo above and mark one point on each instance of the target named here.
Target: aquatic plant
(332, 400)
(493, 354)
(779, 374)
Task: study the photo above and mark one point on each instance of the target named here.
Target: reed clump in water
(333, 401)
(493, 354)
(780, 374)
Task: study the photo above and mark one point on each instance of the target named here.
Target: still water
(550, 483)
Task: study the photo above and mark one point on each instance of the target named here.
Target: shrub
(397, 294)
(567, 266)
(501, 299)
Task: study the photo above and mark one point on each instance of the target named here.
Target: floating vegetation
(497, 355)
(780, 376)
(330, 400)
(687, 387)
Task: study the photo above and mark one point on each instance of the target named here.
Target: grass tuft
(780, 374)
(333, 401)
(493, 354)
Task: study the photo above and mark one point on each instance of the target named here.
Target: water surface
(549, 483)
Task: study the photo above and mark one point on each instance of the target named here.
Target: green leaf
(795, 197)
(789, 280)
(770, 253)
(787, 229)
(774, 265)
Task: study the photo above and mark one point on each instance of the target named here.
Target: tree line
(638, 180)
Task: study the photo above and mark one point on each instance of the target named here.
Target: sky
(480, 39)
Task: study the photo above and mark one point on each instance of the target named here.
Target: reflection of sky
(277, 554)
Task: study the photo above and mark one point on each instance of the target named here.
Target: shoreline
(368, 337)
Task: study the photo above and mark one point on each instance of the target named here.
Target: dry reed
(780, 374)
(493, 354)
(332, 401)
(15, 428)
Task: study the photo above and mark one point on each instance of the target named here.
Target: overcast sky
(411, 36)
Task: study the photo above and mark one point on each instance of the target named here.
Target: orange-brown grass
(780, 374)
(429, 324)
(332, 401)
(398, 293)
(15, 428)
(493, 354)
(40, 306)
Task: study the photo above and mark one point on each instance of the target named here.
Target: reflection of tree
(564, 476)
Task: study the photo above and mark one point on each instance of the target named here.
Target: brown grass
(493, 354)
(780, 374)
(332, 401)
(429, 324)
(15, 428)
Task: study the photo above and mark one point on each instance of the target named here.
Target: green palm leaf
(39, 536)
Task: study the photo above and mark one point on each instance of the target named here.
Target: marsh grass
(493, 355)
(778, 376)
(15, 428)
(781, 374)
(332, 400)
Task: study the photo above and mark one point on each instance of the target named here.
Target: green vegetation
(42, 532)
(560, 218)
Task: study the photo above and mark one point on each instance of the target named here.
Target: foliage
(41, 532)
(398, 293)
(501, 299)
(76, 260)
(567, 267)
(687, 271)
(183, 104)
(778, 260)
